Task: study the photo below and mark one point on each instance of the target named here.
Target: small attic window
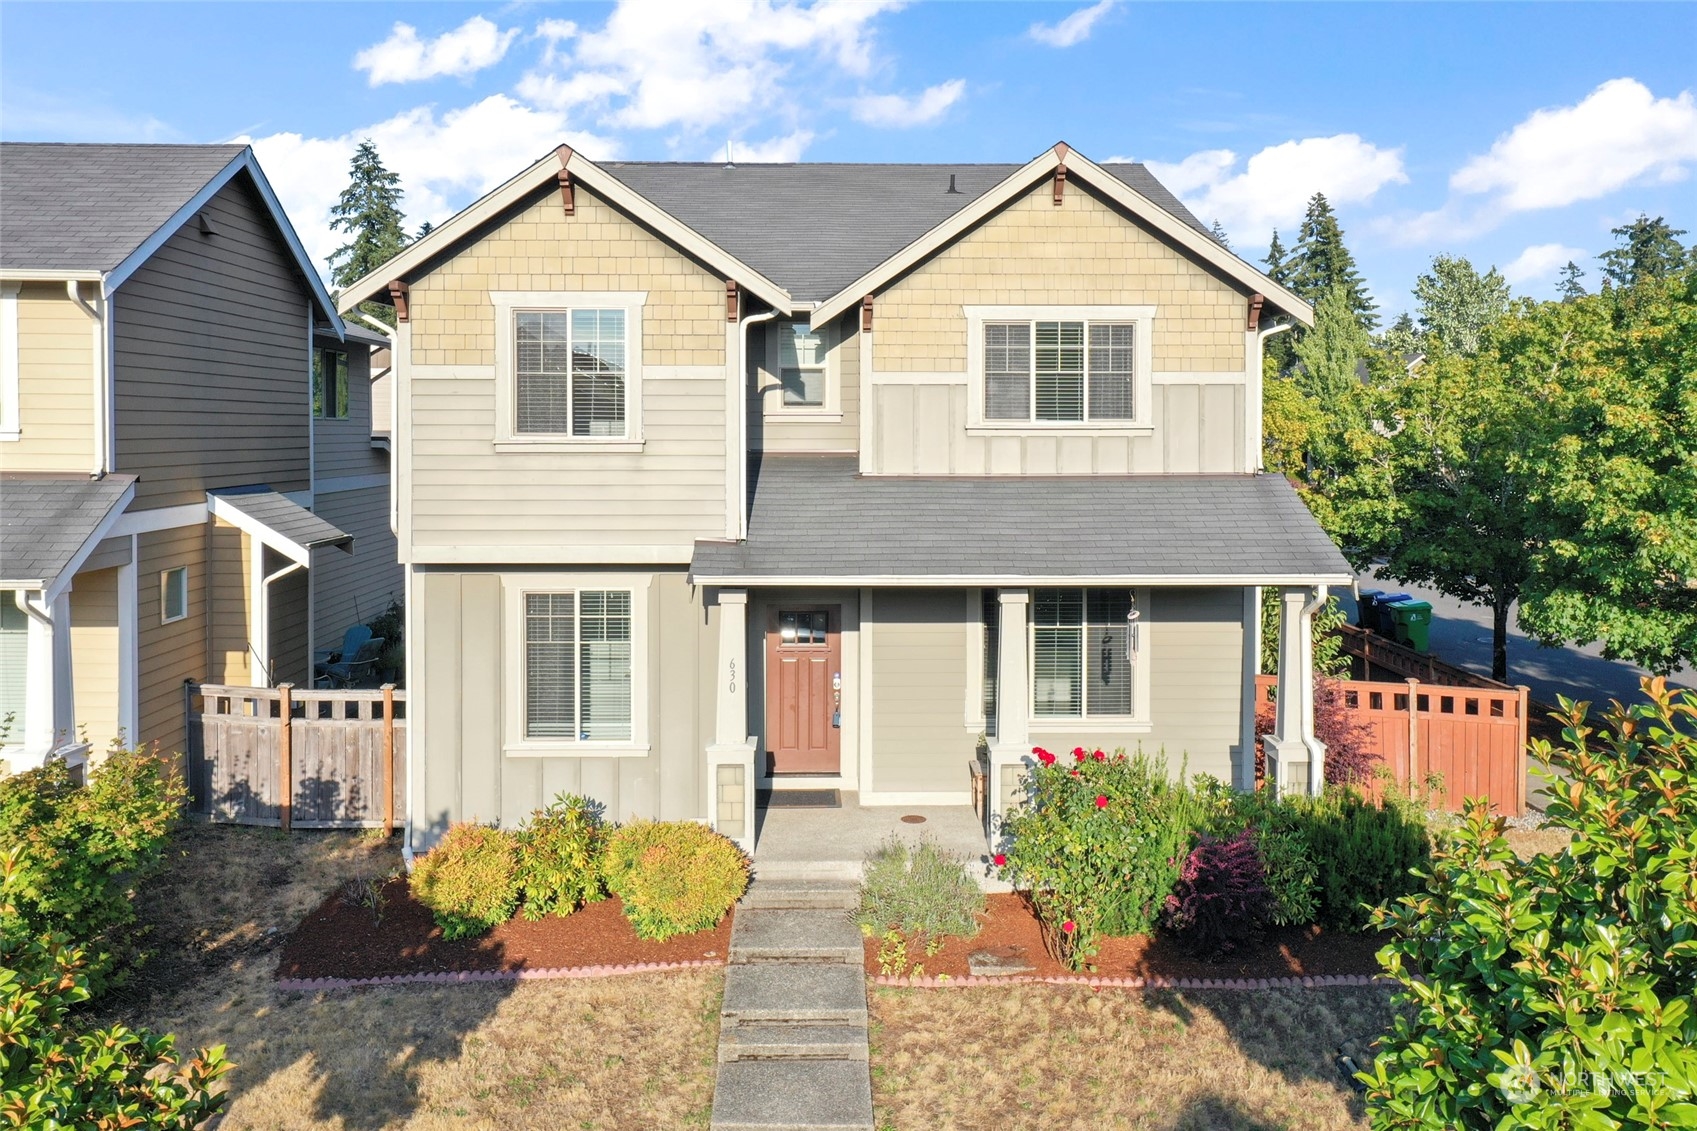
(207, 228)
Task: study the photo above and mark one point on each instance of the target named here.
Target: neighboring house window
(578, 669)
(14, 667)
(801, 365)
(173, 594)
(570, 372)
(1072, 371)
(1085, 650)
(330, 384)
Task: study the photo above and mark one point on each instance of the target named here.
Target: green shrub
(1280, 833)
(54, 1073)
(921, 891)
(673, 876)
(1557, 992)
(1367, 854)
(1097, 843)
(469, 881)
(82, 850)
(560, 857)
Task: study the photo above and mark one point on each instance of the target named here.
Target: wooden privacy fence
(1475, 738)
(288, 758)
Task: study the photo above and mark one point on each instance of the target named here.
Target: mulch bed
(343, 940)
(1009, 929)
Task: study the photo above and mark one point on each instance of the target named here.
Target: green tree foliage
(1557, 992)
(1321, 263)
(1569, 286)
(369, 211)
(1289, 421)
(1610, 463)
(1398, 344)
(1330, 362)
(1278, 269)
(1457, 304)
(56, 1073)
(1218, 231)
(1648, 249)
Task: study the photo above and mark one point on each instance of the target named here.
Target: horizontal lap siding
(1195, 654)
(342, 447)
(94, 653)
(919, 659)
(170, 653)
(461, 668)
(232, 659)
(290, 661)
(210, 343)
(55, 383)
(350, 589)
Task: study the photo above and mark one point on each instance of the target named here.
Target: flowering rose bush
(1097, 845)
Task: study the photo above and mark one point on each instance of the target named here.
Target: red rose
(1099, 756)
(1001, 859)
(1069, 926)
(1047, 758)
(1101, 801)
(1078, 752)
(1075, 771)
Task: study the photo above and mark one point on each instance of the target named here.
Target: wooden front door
(804, 668)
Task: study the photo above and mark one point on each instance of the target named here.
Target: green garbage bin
(1411, 623)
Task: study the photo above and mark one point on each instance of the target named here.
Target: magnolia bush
(1557, 992)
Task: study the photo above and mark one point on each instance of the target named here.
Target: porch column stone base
(730, 791)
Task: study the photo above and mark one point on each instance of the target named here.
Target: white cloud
(1273, 187)
(443, 160)
(404, 57)
(777, 150)
(1076, 28)
(656, 64)
(900, 111)
(1619, 134)
(1541, 261)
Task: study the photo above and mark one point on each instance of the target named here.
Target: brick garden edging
(455, 977)
(1311, 982)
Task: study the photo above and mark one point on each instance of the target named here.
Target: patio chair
(352, 641)
(356, 665)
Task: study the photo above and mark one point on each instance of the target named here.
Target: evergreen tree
(1400, 342)
(1457, 304)
(425, 229)
(1649, 249)
(1218, 231)
(369, 211)
(1569, 286)
(1277, 269)
(1322, 262)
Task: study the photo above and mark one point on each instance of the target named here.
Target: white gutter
(263, 645)
(742, 421)
(102, 406)
(1257, 393)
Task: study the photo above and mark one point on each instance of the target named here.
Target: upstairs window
(1059, 371)
(571, 369)
(330, 385)
(173, 594)
(801, 365)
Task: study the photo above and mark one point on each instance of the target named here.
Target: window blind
(570, 372)
(1108, 686)
(1111, 357)
(544, 356)
(578, 668)
(1007, 371)
(801, 364)
(606, 650)
(550, 675)
(1080, 662)
(14, 664)
(1060, 371)
(598, 373)
(1057, 371)
(992, 614)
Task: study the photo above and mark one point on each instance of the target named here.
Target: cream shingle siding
(55, 383)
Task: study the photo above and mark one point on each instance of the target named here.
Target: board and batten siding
(920, 742)
(772, 429)
(341, 447)
(460, 669)
(56, 344)
(350, 589)
(168, 654)
(465, 496)
(1195, 655)
(213, 384)
(1086, 252)
(94, 654)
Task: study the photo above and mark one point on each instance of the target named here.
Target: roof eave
(55, 585)
(989, 580)
(47, 275)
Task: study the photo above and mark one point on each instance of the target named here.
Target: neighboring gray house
(716, 479)
(172, 507)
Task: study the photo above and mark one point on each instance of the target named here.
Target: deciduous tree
(1457, 304)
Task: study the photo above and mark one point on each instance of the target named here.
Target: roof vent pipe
(952, 191)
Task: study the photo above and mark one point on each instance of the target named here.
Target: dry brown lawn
(1052, 1057)
(629, 1052)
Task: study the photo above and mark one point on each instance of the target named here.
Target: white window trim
(772, 378)
(164, 595)
(1140, 719)
(514, 587)
(1142, 387)
(509, 303)
(11, 428)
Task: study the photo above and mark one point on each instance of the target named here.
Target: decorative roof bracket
(1061, 152)
(398, 293)
(731, 300)
(866, 315)
(1256, 302)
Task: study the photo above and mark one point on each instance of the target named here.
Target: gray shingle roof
(46, 519)
(87, 207)
(814, 228)
(285, 518)
(815, 517)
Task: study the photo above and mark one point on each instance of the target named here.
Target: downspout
(742, 421)
(265, 612)
(1260, 379)
(102, 409)
(1316, 751)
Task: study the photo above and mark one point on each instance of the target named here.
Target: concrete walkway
(792, 1027)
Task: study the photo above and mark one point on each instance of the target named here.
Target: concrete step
(795, 895)
(772, 1041)
(793, 1095)
(786, 871)
(803, 992)
(792, 935)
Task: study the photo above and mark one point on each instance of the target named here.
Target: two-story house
(191, 486)
(719, 479)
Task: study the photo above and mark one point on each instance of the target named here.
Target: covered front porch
(833, 843)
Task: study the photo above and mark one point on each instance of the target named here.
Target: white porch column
(1296, 760)
(730, 756)
(1010, 750)
(40, 658)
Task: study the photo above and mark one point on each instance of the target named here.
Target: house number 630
(733, 686)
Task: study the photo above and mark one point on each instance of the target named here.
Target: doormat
(801, 799)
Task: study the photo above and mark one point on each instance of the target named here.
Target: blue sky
(1516, 135)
